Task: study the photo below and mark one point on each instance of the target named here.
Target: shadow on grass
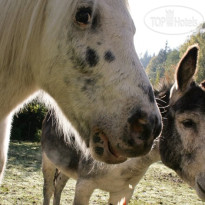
(25, 155)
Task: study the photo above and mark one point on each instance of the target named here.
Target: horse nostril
(138, 116)
(139, 126)
(143, 126)
(143, 121)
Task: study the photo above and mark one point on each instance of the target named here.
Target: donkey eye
(188, 123)
(83, 16)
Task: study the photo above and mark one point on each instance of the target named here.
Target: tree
(158, 65)
(28, 122)
(145, 59)
(163, 65)
(197, 37)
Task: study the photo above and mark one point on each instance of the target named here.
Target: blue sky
(152, 32)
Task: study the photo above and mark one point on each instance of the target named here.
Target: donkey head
(90, 67)
(183, 141)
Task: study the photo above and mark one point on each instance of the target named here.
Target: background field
(23, 181)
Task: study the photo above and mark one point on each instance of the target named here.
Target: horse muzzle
(135, 140)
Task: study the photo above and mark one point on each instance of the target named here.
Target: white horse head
(81, 52)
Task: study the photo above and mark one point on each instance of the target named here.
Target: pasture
(22, 184)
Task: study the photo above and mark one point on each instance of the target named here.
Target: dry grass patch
(23, 183)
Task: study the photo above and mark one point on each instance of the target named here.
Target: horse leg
(60, 183)
(83, 192)
(5, 126)
(49, 171)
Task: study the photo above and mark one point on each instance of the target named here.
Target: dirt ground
(23, 183)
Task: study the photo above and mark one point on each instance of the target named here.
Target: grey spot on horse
(99, 43)
(148, 91)
(78, 62)
(92, 57)
(99, 150)
(89, 84)
(96, 138)
(150, 94)
(109, 57)
(95, 22)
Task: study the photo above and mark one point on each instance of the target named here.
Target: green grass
(23, 181)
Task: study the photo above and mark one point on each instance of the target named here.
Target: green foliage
(145, 59)
(197, 38)
(151, 69)
(172, 58)
(28, 122)
(164, 64)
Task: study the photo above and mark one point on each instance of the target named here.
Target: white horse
(81, 53)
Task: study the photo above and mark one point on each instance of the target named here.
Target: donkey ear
(187, 68)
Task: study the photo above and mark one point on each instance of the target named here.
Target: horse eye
(83, 16)
(188, 123)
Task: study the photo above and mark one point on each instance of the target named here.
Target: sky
(164, 20)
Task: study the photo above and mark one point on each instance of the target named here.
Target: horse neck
(20, 31)
(14, 90)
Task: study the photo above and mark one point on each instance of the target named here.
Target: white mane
(20, 27)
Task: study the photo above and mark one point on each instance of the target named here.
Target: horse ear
(187, 68)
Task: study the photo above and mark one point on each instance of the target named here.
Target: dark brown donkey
(182, 144)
